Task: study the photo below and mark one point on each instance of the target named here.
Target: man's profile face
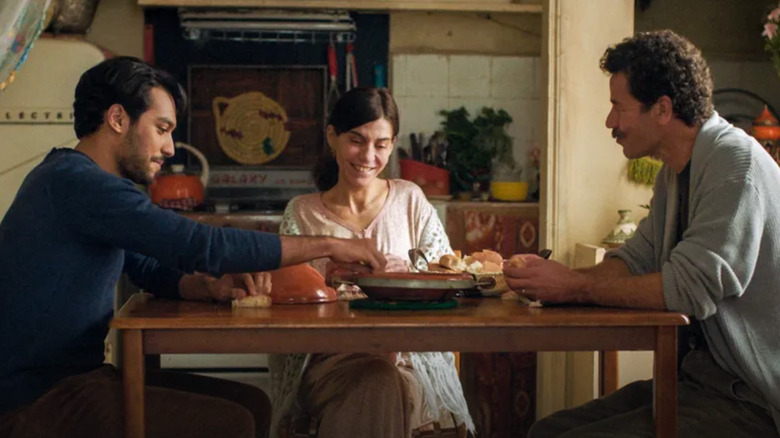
(633, 126)
(149, 141)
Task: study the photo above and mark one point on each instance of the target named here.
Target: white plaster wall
(424, 84)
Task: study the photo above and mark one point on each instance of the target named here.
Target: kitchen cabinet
(526, 6)
(500, 388)
(505, 227)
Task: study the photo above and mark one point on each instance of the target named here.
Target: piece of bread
(487, 255)
(491, 268)
(435, 267)
(452, 262)
(473, 266)
(517, 261)
(253, 301)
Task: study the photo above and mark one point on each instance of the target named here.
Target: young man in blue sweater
(78, 222)
(709, 247)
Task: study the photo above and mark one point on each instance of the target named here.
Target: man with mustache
(709, 247)
(78, 222)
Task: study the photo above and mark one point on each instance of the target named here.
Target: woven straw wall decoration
(250, 127)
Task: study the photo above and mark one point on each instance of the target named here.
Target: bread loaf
(487, 255)
(435, 267)
(253, 301)
(452, 262)
(490, 267)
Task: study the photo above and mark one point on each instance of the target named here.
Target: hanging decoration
(643, 170)
(21, 21)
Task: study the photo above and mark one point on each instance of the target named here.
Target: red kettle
(177, 189)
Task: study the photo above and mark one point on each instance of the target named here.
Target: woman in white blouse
(367, 395)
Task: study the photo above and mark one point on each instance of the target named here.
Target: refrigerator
(36, 110)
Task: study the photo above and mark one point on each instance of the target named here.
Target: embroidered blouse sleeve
(433, 240)
(289, 226)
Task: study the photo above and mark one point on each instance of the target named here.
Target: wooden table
(151, 326)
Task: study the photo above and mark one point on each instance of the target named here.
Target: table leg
(133, 369)
(608, 369)
(665, 383)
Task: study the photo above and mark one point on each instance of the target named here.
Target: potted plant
(476, 147)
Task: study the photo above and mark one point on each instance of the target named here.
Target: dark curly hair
(124, 80)
(662, 63)
(355, 108)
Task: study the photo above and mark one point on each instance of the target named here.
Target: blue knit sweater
(69, 234)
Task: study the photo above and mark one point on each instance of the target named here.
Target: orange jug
(180, 190)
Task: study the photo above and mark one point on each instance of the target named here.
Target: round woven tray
(250, 127)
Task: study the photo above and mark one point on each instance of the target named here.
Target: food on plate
(480, 262)
(452, 262)
(435, 267)
(252, 301)
(487, 255)
(473, 266)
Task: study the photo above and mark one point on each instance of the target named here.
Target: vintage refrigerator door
(36, 109)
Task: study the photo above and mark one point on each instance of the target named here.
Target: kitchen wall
(444, 61)
(118, 27)
(424, 84)
(729, 35)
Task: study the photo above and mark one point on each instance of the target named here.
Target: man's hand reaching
(228, 287)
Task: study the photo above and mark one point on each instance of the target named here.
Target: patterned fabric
(407, 220)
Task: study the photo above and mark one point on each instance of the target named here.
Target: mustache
(616, 133)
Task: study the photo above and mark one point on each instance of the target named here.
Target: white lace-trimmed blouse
(406, 220)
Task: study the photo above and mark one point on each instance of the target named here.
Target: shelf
(514, 6)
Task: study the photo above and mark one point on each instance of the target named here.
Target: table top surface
(144, 312)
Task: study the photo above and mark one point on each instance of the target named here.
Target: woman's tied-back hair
(355, 108)
(124, 80)
(662, 63)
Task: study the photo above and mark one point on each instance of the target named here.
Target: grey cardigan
(726, 269)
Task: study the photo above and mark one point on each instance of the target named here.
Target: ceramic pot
(623, 230)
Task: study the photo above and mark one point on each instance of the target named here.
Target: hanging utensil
(351, 68)
(333, 68)
(415, 145)
(347, 73)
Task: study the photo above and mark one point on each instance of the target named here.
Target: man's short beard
(131, 166)
(130, 170)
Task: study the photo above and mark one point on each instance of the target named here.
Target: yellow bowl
(509, 190)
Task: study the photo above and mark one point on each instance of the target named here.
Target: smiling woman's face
(363, 151)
